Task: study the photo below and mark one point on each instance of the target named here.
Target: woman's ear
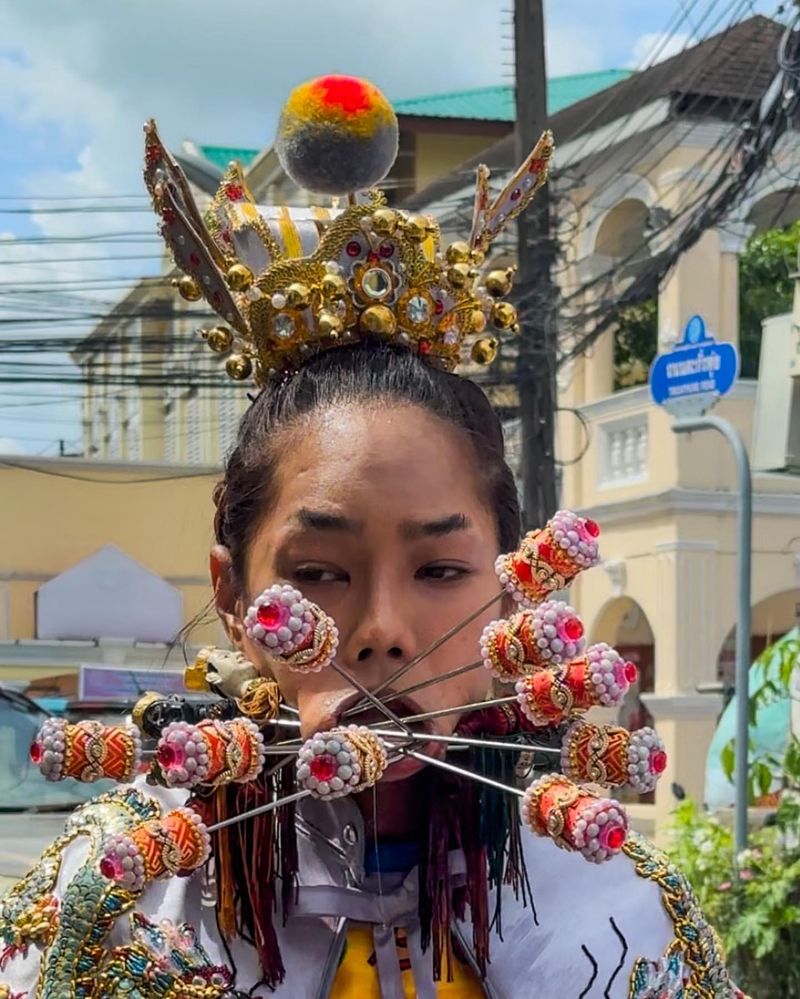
(226, 597)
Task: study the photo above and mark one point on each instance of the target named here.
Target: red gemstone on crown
(424, 346)
(592, 528)
(545, 551)
(631, 672)
(108, 868)
(438, 307)
(523, 570)
(269, 616)
(515, 194)
(573, 629)
(615, 837)
(658, 761)
(194, 260)
(323, 767)
(386, 250)
(235, 192)
(36, 753)
(353, 248)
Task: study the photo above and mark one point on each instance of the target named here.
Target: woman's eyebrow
(412, 529)
(319, 520)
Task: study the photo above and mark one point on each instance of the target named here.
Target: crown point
(484, 351)
(458, 275)
(239, 367)
(298, 295)
(504, 315)
(458, 253)
(384, 221)
(417, 227)
(477, 321)
(498, 283)
(239, 277)
(219, 339)
(329, 325)
(333, 286)
(378, 320)
(188, 288)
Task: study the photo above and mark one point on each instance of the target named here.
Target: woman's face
(380, 520)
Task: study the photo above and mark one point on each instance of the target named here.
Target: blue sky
(77, 80)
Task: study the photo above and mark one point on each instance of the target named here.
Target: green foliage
(753, 900)
(635, 343)
(765, 287)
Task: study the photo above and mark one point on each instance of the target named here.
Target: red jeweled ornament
(631, 672)
(573, 629)
(235, 192)
(323, 767)
(515, 194)
(386, 250)
(108, 868)
(592, 528)
(438, 307)
(36, 752)
(545, 551)
(615, 838)
(658, 761)
(424, 346)
(270, 616)
(168, 755)
(353, 248)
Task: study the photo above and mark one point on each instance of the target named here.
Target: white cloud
(656, 46)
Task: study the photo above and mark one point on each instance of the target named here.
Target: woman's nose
(381, 637)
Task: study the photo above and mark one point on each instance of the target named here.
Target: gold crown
(289, 282)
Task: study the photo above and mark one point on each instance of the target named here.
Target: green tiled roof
(484, 103)
(222, 155)
(497, 103)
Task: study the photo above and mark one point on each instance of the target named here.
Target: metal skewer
(461, 740)
(461, 772)
(430, 649)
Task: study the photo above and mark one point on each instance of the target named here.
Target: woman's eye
(319, 574)
(442, 573)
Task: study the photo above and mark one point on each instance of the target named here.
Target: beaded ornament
(177, 843)
(211, 753)
(291, 629)
(549, 559)
(608, 754)
(601, 677)
(574, 817)
(87, 751)
(341, 761)
(546, 634)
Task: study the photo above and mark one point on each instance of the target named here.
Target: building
(666, 594)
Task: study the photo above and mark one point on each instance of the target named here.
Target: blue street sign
(695, 373)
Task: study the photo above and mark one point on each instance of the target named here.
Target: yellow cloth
(357, 977)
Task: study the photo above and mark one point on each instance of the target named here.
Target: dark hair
(364, 372)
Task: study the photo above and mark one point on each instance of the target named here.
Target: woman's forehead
(399, 456)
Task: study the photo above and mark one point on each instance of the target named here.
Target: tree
(766, 287)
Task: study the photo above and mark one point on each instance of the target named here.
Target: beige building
(629, 160)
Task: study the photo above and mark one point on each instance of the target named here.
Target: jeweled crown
(289, 282)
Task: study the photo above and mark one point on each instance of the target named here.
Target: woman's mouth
(401, 765)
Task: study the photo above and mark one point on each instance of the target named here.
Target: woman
(375, 483)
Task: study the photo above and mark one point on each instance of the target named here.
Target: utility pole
(536, 355)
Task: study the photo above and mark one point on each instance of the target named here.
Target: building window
(171, 431)
(623, 451)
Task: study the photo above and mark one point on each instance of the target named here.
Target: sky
(79, 77)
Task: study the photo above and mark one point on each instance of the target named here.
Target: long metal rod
(743, 648)
(371, 696)
(441, 712)
(434, 680)
(429, 650)
(462, 740)
(253, 812)
(423, 758)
